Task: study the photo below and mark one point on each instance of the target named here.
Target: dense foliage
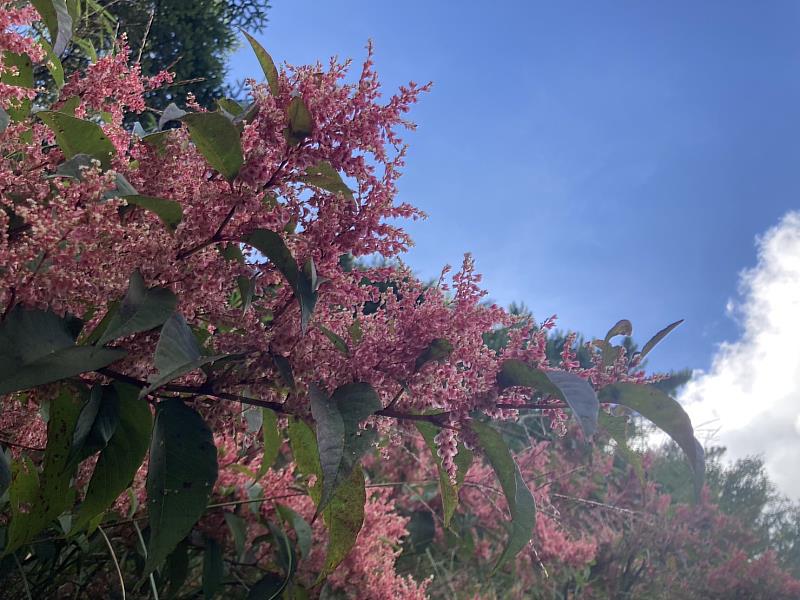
(199, 391)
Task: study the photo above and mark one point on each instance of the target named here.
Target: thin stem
(113, 558)
(24, 578)
(144, 551)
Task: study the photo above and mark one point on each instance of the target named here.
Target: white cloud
(750, 398)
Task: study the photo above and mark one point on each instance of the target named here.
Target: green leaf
(271, 245)
(344, 518)
(247, 286)
(304, 449)
(218, 140)
(447, 488)
(18, 110)
(142, 309)
(300, 125)
(267, 65)
(96, 423)
(38, 347)
(120, 459)
(176, 569)
(666, 414)
(651, 343)
(610, 352)
(158, 140)
(324, 176)
(272, 440)
(438, 350)
(340, 441)
(519, 498)
(181, 474)
(568, 387)
(177, 353)
(301, 528)
(355, 331)
(34, 505)
(285, 556)
(76, 136)
(169, 211)
(5, 472)
(238, 527)
(213, 568)
(53, 64)
(269, 587)
(59, 23)
(5, 119)
(617, 429)
(230, 106)
(336, 340)
(284, 369)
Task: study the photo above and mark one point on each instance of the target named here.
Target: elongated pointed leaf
(213, 568)
(336, 340)
(58, 20)
(181, 474)
(38, 347)
(120, 459)
(218, 140)
(271, 437)
(141, 309)
(324, 176)
(447, 488)
(651, 343)
(519, 498)
(617, 429)
(18, 110)
(169, 211)
(96, 423)
(177, 353)
(266, 62)
(664, 412)
(300, 125)
(568, 387)
(301, 528)
(341, 443)
(271, 245)
(344, 518)
(76, 136)
(51, 495)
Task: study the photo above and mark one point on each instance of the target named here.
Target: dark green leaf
(438, 350)
(176, 569)
(622, 327)
(651, 343)
(664, 412)
(169, 211)
(180, 477)
(74, 167)
(304, 449)
(53, 64)
(324, 176)
(271, 245)
(284, 369)
(141, 309)
(617, 429)
(301, 528)
(336, 340)
(247, 286)
(213, 568)
(285, 553)
(272, 440)
(177, 353)
(5, 472)
(341, 443)
(76, 136)
(269, 587)
(96, 423)
(238, 527)
(519, 498)
(38, 347)
(120, 459)
(448, 489)
(34, 505)
(568, 387)
(300, 125)
(267, 65)
(217, 139)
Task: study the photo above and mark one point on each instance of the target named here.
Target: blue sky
(601, 160)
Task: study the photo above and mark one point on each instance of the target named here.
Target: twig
(144, 37)
(24, 578)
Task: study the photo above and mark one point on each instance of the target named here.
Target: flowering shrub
(185, 343)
